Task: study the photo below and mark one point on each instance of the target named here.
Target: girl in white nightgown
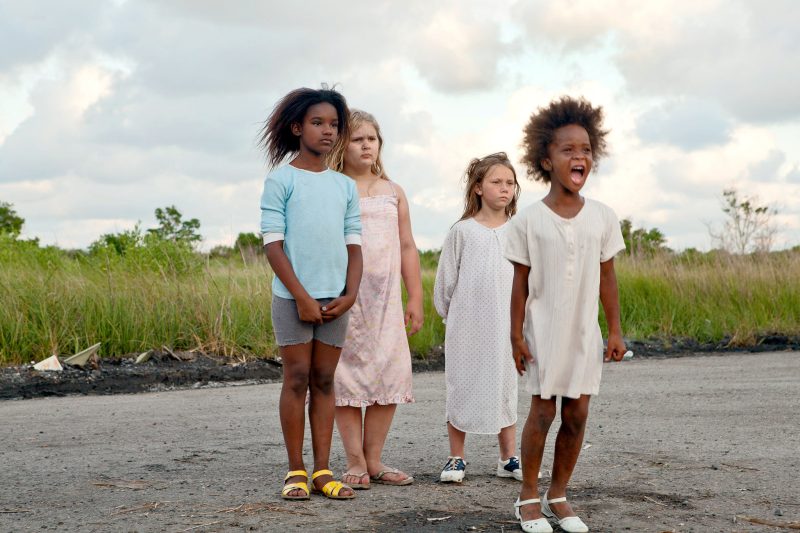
(473, 294)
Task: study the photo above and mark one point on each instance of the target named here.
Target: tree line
(749, 227)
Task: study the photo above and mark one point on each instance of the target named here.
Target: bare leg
(534, 435)
(348, 420)
(321, 407)
(507, 438)
(377, 421)
(292, 406)
(574, 413)
(457, 438)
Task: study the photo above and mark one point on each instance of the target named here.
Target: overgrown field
(54, 302)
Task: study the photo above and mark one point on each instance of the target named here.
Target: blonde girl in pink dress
(374, 371)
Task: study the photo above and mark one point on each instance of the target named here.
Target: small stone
(714, 467)
(778, 512)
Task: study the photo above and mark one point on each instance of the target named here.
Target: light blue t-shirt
(316, 215)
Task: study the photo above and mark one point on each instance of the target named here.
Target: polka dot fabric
(473, 294)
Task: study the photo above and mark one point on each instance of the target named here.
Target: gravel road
(703, 444)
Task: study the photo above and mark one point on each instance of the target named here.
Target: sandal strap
(292, 486)
(293, 473)
(558, 500)
(319, 473)
(526, 502)
(333, 488)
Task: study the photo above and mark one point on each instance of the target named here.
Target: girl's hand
(337, 307)
(414, 316)
(308, 310)
(521, 352)
(615, 349)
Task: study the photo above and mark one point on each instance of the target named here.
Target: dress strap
(394, 193)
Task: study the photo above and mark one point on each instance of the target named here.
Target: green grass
(710, 297)
(54, 302)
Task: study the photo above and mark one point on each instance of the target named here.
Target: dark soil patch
(122, 375)
(678, 346)
(119, 375)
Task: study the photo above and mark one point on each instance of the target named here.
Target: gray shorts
(289, 329)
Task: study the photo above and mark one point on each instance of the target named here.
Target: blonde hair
(477, 170)
(335, 159)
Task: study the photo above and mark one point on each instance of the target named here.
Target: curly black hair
(276, 137)
(540, 130)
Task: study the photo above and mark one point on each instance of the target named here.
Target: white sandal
(570, 524)
(539, 525)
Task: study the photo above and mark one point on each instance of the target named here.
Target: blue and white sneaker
(453, 471)
(509, 468)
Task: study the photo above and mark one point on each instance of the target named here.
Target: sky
(112, 108)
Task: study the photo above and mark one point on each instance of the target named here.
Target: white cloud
(687, 124)
(744, 55)
(456, 53)
(111, 109)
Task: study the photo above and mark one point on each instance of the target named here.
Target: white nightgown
(561, 313)
(473, 294)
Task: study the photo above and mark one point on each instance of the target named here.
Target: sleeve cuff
(353, 238)
(612, 255)
(272, 237)
(516, 259)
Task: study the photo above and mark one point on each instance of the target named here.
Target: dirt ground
(700, 444)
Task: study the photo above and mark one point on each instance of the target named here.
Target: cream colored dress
(473, 294)
(561, 313)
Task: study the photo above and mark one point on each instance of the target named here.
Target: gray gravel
(690, 444)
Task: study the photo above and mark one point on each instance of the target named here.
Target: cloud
(31, 31)
(793, 175)
(767, 169)
(121, 107)
(743, 54)
(455, 53)
(687, 124)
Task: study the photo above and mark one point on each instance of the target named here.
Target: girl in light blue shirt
(311, 226)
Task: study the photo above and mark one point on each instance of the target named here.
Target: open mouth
(577, 174)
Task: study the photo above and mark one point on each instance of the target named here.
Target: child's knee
(296, 381)
(543, 415)
(322, 382)
(575, 415)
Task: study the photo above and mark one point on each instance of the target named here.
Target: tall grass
(51, 302)
(710, 297)
(63, 304)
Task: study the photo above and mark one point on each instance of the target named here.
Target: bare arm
(409, 266)
(340, 305)
(519, 296)
(609, 297)
(308, 308)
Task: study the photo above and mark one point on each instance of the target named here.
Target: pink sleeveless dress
(375, 365)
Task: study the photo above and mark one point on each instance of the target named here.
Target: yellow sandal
(331, 489)
(294, 486)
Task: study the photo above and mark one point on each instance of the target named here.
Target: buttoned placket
(570, 233)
